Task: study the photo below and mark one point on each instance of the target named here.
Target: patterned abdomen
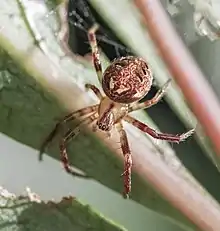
(127, 79)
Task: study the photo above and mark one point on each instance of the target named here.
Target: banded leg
(70, 135)
(95, 52)
(70, 117)
(95, 90)
(161, 136)
(152, 101)
(127, 159)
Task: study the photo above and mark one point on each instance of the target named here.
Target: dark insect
(125, 81)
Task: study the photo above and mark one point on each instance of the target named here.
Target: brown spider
(125, 81)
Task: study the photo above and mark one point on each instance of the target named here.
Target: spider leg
(95, 52)
(161, 136)
(160, 93)
(95, 90)
(70, 135)
(70, 117)
(127, 159)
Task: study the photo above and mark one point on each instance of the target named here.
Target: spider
(125, 81)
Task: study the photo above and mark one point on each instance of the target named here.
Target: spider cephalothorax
(125, 81)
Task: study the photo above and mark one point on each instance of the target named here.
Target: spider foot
(94, 28)
(41, 152)
(87, 86)
(164, 87)
(127, 184)
(125, 195)
(40, 155)
(184, 136)
(70, 171)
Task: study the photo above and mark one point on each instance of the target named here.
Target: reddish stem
(189, 77)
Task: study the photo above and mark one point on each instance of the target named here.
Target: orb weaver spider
(125, 81)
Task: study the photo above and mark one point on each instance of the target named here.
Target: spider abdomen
(127, 79)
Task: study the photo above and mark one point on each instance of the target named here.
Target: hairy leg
(95, 52)
(161, 136)
(70, 135)
(95, 90)
(127, 159)
(70, 117)
(152, 101)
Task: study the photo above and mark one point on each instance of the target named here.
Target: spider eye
(102, 127)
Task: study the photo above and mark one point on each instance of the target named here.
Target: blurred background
(50, 181)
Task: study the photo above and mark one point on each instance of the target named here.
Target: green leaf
(29, 213)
